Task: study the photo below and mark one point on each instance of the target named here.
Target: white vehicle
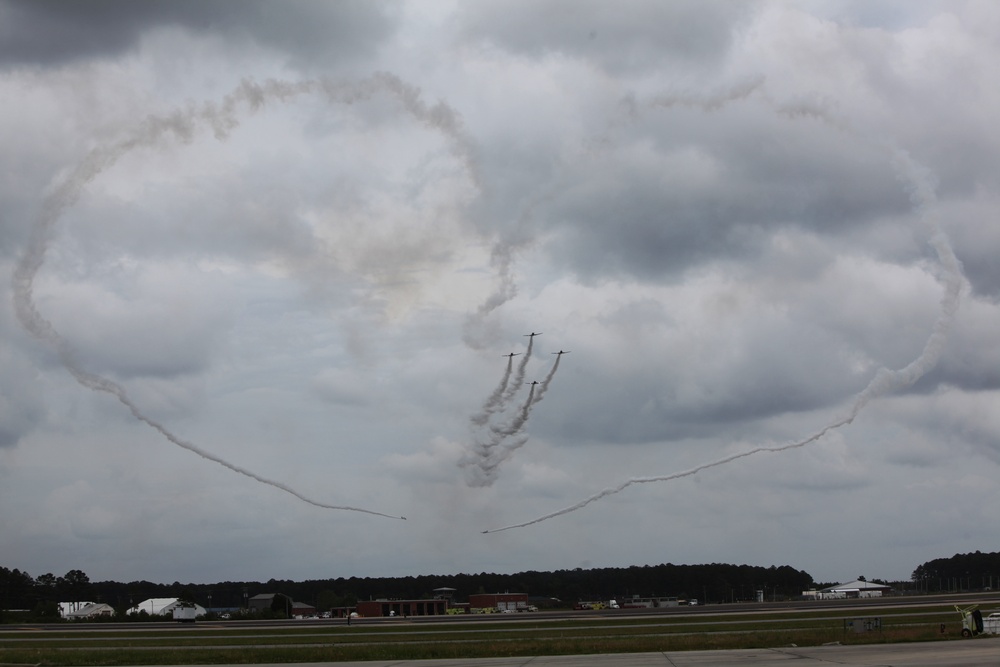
(613, 604)
(693, 602)
(991, 624)
(185, 614)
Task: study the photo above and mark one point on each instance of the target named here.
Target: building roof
(264, 596)
(66, 608)
(858, 586)
(161, 606)
(91, 609)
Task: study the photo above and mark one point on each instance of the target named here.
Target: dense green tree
(74, 586)
(959, 572)
(17, 589)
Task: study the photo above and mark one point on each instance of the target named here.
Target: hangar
(163, 607)
(501, 601)
(852, 589)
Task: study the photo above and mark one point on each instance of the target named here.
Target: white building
(852, 589)
(67, 608)
(162, 607)
(89, 610)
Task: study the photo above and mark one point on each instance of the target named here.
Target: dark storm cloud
(54, 32)
(617, 36)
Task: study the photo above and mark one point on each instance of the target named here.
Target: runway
(958, 653)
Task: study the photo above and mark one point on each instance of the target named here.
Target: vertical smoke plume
(500, 441)
(493, 403)
(919, 186)
(504, 392)
(182, 127)
(544, 387)
(502, 261)
(522, 368)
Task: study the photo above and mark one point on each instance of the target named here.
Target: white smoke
(182, 126)
(919, 185)
(498, 442)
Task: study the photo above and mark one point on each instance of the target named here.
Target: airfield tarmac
(958, 653)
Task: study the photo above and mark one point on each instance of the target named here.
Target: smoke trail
(501, 396)
(502, 260)
(481, 452)
(712, 101)
(504, 439)
(919, 185)
(493, 402)
(182, 125)
(521, 418)
(487, 456)
(544, 387)
(522, 369)
(98, 383)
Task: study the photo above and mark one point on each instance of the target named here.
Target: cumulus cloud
(350, 211)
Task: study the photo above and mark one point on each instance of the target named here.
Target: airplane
(533, 334)
(511, 355)
(560, 352)
(535, 382)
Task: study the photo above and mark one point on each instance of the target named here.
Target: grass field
(214, 643)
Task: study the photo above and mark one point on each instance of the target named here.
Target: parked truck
(185, 614)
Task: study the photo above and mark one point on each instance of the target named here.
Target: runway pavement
(959, 653)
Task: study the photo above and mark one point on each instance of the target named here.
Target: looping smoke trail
(918, 183)
(182, 125)
(98, 383)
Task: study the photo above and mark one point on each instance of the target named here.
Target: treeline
(710, 583)
(960, 572)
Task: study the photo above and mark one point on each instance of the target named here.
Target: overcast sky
(262, 257)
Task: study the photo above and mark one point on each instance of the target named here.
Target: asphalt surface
(977, 652)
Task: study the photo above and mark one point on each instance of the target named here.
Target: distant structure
(75, 611)
(444, 593)
(386, 607)
(639, 602)
(281, 602)
(852, 589)
(500, 601)
(163, 607)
